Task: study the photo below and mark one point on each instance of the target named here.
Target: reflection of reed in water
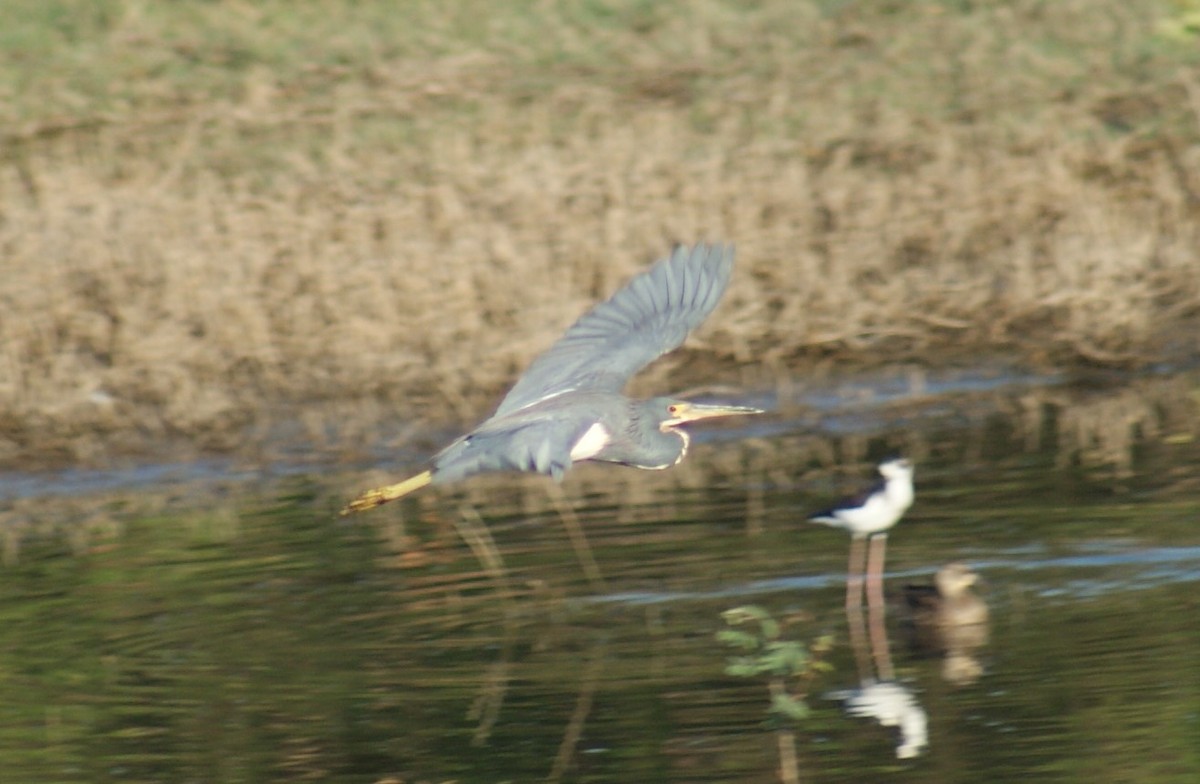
(949, 619)
(1098, 426)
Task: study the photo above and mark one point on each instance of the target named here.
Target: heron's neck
(659, 448)
(671, 446)
(646, 447)
(679, 438)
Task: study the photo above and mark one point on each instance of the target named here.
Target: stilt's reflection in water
(879, 696)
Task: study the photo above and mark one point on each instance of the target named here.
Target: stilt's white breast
(587, 447)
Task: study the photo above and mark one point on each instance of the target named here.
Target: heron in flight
(568, 405)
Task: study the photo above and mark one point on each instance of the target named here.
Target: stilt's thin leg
(854, 571)
(875, 570)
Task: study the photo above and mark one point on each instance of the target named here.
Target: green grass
(215, 210)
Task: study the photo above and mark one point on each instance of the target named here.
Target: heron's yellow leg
(381, 495)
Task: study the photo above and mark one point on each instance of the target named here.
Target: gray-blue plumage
(576, 383)
(541, 438)
(652, 315)
(568, 406)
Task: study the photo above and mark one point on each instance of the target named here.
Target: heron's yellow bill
(683, 412)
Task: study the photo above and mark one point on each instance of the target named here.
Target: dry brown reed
(400, 225)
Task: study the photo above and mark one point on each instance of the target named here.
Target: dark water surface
(265, 640)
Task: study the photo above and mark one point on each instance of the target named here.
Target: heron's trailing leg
(381, 495)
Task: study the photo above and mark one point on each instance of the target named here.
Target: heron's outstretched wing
(650, 316)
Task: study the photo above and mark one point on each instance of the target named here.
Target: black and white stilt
(870, 516)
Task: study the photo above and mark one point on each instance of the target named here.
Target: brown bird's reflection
(949, 620)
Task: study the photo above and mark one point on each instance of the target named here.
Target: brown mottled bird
(948, 618)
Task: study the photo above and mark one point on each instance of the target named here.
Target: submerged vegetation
(222, 219)
(789, 666)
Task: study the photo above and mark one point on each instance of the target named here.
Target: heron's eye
(672, 409)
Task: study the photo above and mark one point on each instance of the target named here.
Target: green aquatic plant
(790, 666)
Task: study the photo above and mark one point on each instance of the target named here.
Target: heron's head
(673, 413)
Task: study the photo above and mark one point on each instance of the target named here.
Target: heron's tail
(381, 495)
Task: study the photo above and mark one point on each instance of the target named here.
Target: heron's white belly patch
(587, 447)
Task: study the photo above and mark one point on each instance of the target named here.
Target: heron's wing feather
(540, 446)
(650, 316)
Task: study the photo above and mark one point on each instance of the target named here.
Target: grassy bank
(212, 213)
